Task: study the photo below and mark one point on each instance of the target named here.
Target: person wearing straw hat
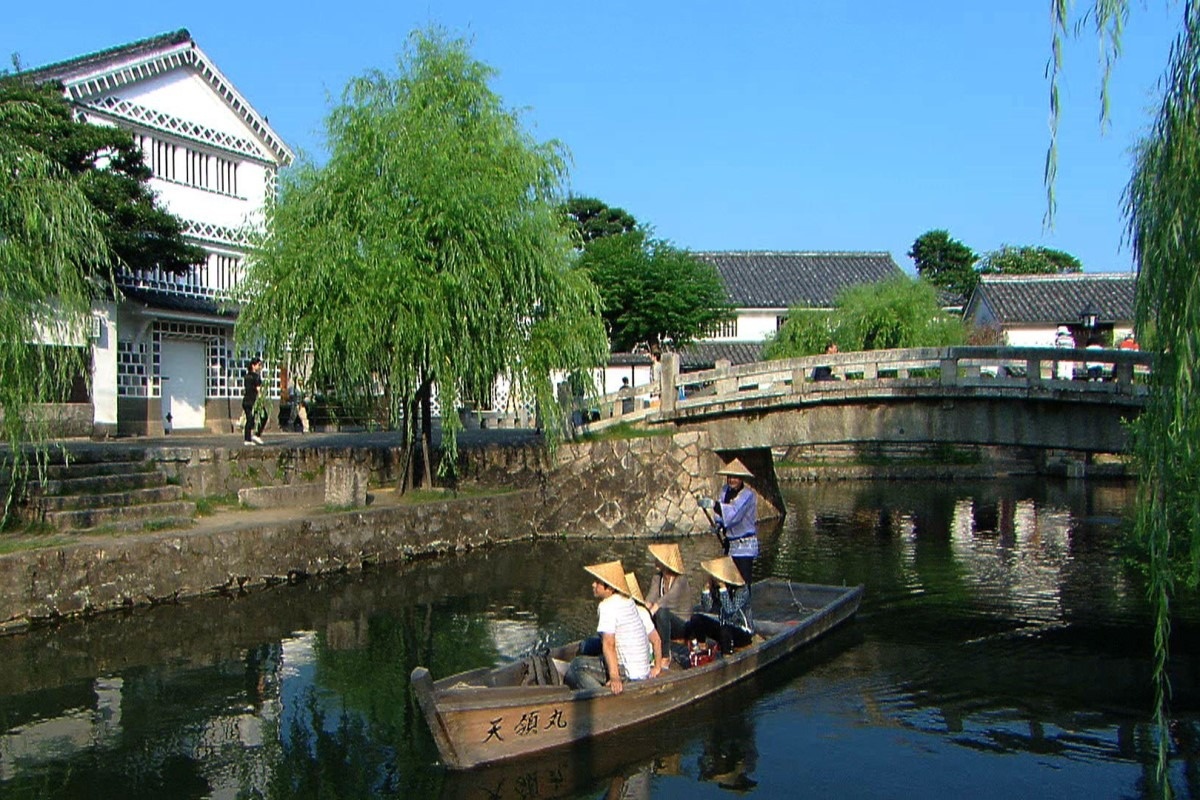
(736, 512)
(725, 613)
(653, 639)
(669, 592)
(625, 654)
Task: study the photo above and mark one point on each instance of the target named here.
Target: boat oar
(717, 527)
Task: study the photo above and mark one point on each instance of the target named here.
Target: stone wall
(89, 577)
(630, 487)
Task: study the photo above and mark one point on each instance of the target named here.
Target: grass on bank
(624, 430)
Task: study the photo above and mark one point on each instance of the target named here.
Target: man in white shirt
(624, 636)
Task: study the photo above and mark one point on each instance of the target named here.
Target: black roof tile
(766, 279)
(704, 355)
(1055, 299)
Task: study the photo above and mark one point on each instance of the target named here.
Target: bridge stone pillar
(669, 376)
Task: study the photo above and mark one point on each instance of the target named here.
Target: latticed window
(225, 271)
(226, 178)
(197, 168)
(162, 159)
(722, 330)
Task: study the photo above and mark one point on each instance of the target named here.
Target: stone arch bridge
(995, 396)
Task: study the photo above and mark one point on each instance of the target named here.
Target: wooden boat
(490, 715)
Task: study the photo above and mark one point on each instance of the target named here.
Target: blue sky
(791, 125)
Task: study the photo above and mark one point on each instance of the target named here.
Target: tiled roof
(704, 355)
(764, 279)
(1055, 299)
(81, 65)
(175, 301)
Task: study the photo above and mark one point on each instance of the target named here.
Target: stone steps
(168, 514)
(110, 492)
(131, 497)
(92, 469)
(94, 484)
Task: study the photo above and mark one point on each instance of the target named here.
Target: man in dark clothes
(250, 388)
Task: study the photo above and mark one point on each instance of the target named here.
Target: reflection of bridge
(1009, 396)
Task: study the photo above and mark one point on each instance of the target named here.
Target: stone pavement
(286, 439)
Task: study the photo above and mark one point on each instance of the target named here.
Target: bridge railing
(1030, 368)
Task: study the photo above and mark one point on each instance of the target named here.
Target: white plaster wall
(197, 204)
(185, 94)
(104, 366)
(756, 326)
(1034, 336)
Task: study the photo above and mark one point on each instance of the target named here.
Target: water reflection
(1001, 636)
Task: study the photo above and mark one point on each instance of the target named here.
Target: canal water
(1002, 651)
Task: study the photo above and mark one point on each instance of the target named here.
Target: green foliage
(945, 262)
(593, 219)
(896, 313)
(108, 168)
(429, 250)
(653, 293)
(806, 332)
(1028, 260)
(49, 236)
(1160, 206)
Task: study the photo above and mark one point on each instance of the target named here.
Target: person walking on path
(251, 385)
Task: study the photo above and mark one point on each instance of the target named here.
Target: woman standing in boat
(736, 512)
(669, 592)
(725, 608)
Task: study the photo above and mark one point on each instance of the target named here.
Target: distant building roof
(765, 279)
(98, 74)
(704, 355)
(1052, 299)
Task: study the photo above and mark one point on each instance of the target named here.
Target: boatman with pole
(735, 515)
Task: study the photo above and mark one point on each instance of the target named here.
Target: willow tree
(428, 254)
(1161, 207)
(49, 237)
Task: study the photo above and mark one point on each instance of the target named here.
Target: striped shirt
(619, 616)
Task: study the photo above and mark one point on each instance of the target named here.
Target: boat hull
(475, 721)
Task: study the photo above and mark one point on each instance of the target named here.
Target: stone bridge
(994, 396)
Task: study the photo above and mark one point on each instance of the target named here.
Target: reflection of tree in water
(730, 754)
(374, 743)
(330, 755)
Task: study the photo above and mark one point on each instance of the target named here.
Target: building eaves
(105, 71)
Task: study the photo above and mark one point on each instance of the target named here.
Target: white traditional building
(163, 351)
(1029, 309)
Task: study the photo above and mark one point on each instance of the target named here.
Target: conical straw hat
(724, 570)
(669, 556)
(611, 574)
(635, 591)
(736, 467)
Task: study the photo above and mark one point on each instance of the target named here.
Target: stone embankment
(619, 488)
